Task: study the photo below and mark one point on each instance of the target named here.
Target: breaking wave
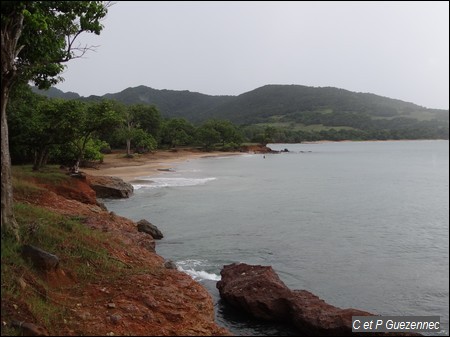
(194, 268)
(169, 182)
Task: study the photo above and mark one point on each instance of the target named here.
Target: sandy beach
(116, 164)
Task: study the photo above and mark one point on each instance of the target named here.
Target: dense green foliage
(297, 113)
(177, 132)
(47, 37)
(71, 132)
(37, 38)
(139, 123)
(219, 131)
(65, 131)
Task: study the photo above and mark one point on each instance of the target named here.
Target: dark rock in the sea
(313, 316)
(40, 258)
(110, 187)
(256, 289)
(259, 291)
(146, 227)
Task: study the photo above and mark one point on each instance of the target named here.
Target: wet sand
(118, 165)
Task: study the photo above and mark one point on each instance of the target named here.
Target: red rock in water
(256, 289)
(259, 291)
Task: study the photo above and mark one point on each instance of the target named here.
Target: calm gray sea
(360, 224)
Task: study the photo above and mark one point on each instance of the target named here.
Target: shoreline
(153, 163)
(148, 164)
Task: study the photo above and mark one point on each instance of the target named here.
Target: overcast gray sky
(394, 49)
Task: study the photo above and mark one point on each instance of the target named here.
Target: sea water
(360, 224)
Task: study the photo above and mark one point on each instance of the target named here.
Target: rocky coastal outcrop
(141, 295)
(72, 189)
(257, 149)
(110, 187)
(256, 289)
(259, 291)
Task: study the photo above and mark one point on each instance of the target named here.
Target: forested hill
(296, 103)
(277, 103)
(193, 106)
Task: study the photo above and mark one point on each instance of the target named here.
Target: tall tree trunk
(9, 224)
(40, 157)
(128, 147)
(80, 156)
(45, 159)
(10, 34)
(76, 167)
(129, 125)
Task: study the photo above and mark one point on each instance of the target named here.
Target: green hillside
(56, 93)
(297, 108)
(293, 101)
(190, 105)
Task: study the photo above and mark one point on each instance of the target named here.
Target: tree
(54, 122)
(21, 109)
(177, 131)
(97, 117)
(37, 37)
(227, 132)
(132, 131)
(207, 136)
(44, 128)
(148, 117)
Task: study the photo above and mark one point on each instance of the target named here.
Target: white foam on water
(198, 274)
(156, 182)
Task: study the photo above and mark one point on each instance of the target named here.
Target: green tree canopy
(37, 37)
(176, 132)
(148, 118)
(131, 131)
(40, 126)
(227, 131)
(96, 118)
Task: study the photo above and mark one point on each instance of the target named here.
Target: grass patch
(292, 126)
(81, 251)
(24, 180)
(321, 127)
(12, 266)
(49, 315)
(421, 115)
(67, 237)
(51, 174)
(24, 188)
